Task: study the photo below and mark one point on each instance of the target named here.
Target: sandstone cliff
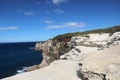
(51, 50)
(96, 63)
(100, 65)
(94, 56)
(54, 48)
(98, 39)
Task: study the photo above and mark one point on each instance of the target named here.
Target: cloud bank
(67, 25)
(26, 12)
(59, 11)
(48, 22)
(8, 28)
(57, 2)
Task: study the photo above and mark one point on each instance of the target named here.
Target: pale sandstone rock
(91, 40)
(113, 72)
(77, 52)
(98, 37)
(100, 40)
(57, 70)
(44, 46)
(103, 65)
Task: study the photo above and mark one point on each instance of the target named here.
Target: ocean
(14, 57)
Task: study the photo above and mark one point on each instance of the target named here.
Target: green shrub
(110, 30)
(52, 55)
(63, 49)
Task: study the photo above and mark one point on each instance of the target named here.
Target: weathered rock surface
(103, 65)
(77, 52)
(90, 43)
(44, 46)
(57, 70)
(98, 65)
(115, 39)
(50, 52)
(82, 44)
(92, 40)
(100, 40)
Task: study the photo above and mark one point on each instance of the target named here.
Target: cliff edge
(90, 56)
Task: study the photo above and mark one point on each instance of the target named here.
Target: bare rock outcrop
(100, 40)
(57, 70)
(103, 65)
(44, 47)
(91, 40)
(77, 52)
(90, 43)
(51, 50)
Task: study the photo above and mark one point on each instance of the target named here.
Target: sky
(39, 20)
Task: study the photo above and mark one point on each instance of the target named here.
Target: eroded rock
(103, 65)
(77, 52)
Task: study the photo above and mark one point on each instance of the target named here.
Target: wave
(21, 70)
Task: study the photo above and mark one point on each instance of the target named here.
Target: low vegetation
(64, 49)
(52, 55)
(67, 37)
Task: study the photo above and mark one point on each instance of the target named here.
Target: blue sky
(38, 20)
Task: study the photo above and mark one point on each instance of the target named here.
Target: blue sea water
(15, 56)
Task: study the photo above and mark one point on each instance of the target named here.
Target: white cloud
(67, 25)
(8, 28)
(57, 2)
(75, 24)
(59, 11)
(28, 12)
(48, 22)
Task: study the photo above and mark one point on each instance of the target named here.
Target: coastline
(15, 56)
(75, 52)
(68, 69)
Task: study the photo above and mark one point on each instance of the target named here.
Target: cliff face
(54, 48)
(90, 43)
(100, 62)
(51, 50)
(82, 62)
